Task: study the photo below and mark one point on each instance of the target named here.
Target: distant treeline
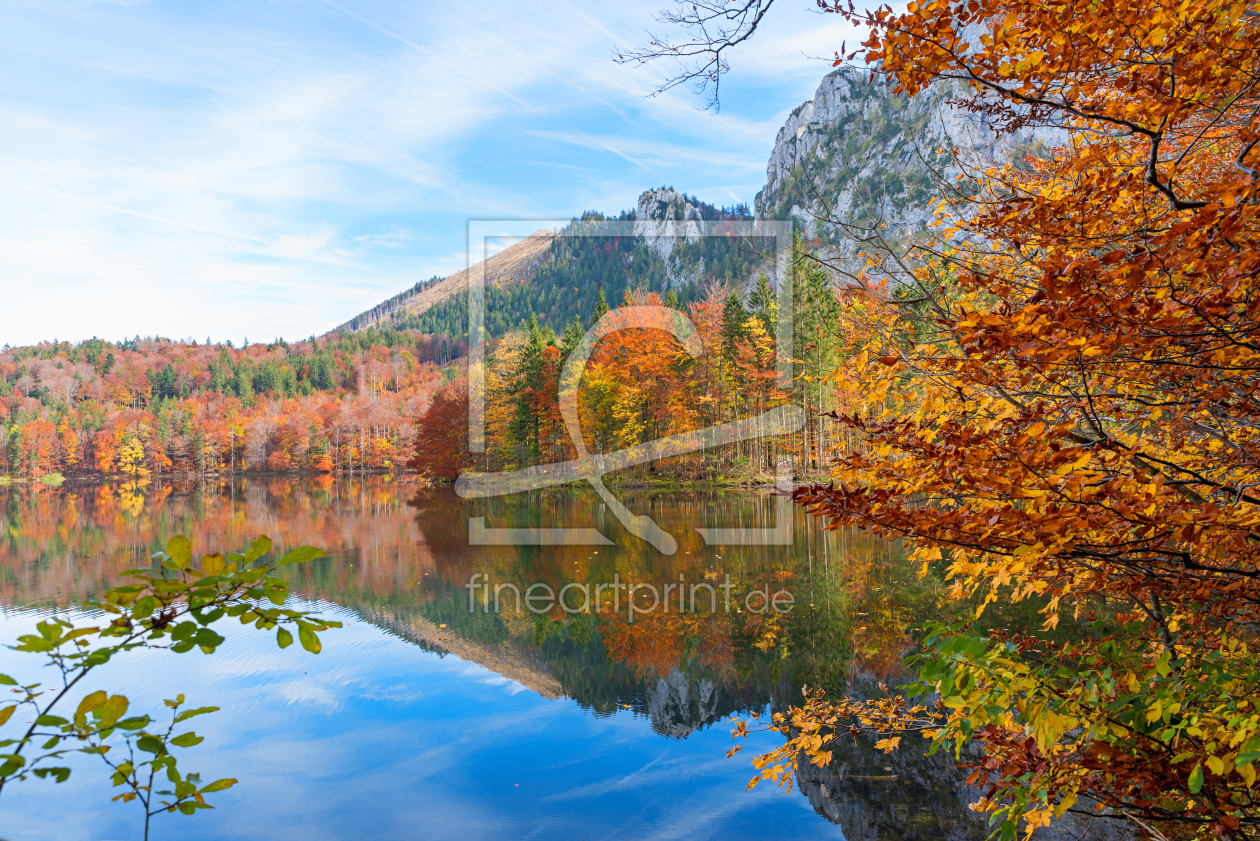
(386, 308)
(151, 406)
(641, 385)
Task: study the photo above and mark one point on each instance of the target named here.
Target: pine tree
(525, 425)
(572, 335)
(763, 304)
(733, 327)
(243, 384)
(601, 307)
(167, 382)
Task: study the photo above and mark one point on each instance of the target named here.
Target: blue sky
(383, 740)
(270, 168)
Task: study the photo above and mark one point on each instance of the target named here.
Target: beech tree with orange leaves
(442, 451)
(1056, 399)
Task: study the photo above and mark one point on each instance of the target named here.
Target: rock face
(857, 152)
(679, 705)
(662, 217)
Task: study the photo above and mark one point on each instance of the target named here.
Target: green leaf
(150, 744)
(7, 681)
(144, 607)
(309, 641)
(213, 564)
(208, 638)
(1250, 752)
(138, 722)
(6, 714)
(1196, 779)
(260, 547)
(187, 740)
(51, 721)
(301, 555)
(111, 710)
(218, 785)
(284, 639)
(32, 643)
(187, 714)
(180, 550)
(210, 617)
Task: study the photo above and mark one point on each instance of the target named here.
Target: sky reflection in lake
(376, 738)
(422, 721)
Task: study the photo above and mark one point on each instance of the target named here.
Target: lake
(430, 717)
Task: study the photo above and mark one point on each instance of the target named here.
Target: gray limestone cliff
(662, 217)
(858, 152)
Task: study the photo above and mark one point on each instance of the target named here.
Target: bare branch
(714, 26)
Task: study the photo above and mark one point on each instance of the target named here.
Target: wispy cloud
(244, 168)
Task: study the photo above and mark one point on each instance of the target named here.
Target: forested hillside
(350, 400)
(590, 256)
(641, 385)
(152, 406)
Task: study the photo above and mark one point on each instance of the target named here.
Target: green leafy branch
(188, 793)
(172, 605)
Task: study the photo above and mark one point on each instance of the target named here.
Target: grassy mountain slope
(514, 264)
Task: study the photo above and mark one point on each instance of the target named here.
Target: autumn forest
(1038, 393)
(379, 399)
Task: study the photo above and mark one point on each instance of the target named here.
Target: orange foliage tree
(1066, 409)
(442, 444)
(335, 404)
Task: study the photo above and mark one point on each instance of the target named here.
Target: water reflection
(399, 558)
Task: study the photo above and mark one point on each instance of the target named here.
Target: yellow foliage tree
(130, 459)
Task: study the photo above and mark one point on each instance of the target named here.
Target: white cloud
(300, 245)
(257, 169)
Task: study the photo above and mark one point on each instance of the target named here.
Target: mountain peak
(664, 216)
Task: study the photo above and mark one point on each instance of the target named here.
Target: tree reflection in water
(399, 557)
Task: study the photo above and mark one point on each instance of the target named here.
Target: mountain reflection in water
(399, 559)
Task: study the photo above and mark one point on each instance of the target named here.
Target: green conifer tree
(763, 304)
(572, 335)
(525, 424)
(733, 329)
(601, 307)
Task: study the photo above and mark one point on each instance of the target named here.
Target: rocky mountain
(858, 152)
(662, 245)
(855, 153)
(662, 217)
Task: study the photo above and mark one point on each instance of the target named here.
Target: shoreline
(662, 484)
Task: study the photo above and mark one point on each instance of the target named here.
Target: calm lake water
(423, 719)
